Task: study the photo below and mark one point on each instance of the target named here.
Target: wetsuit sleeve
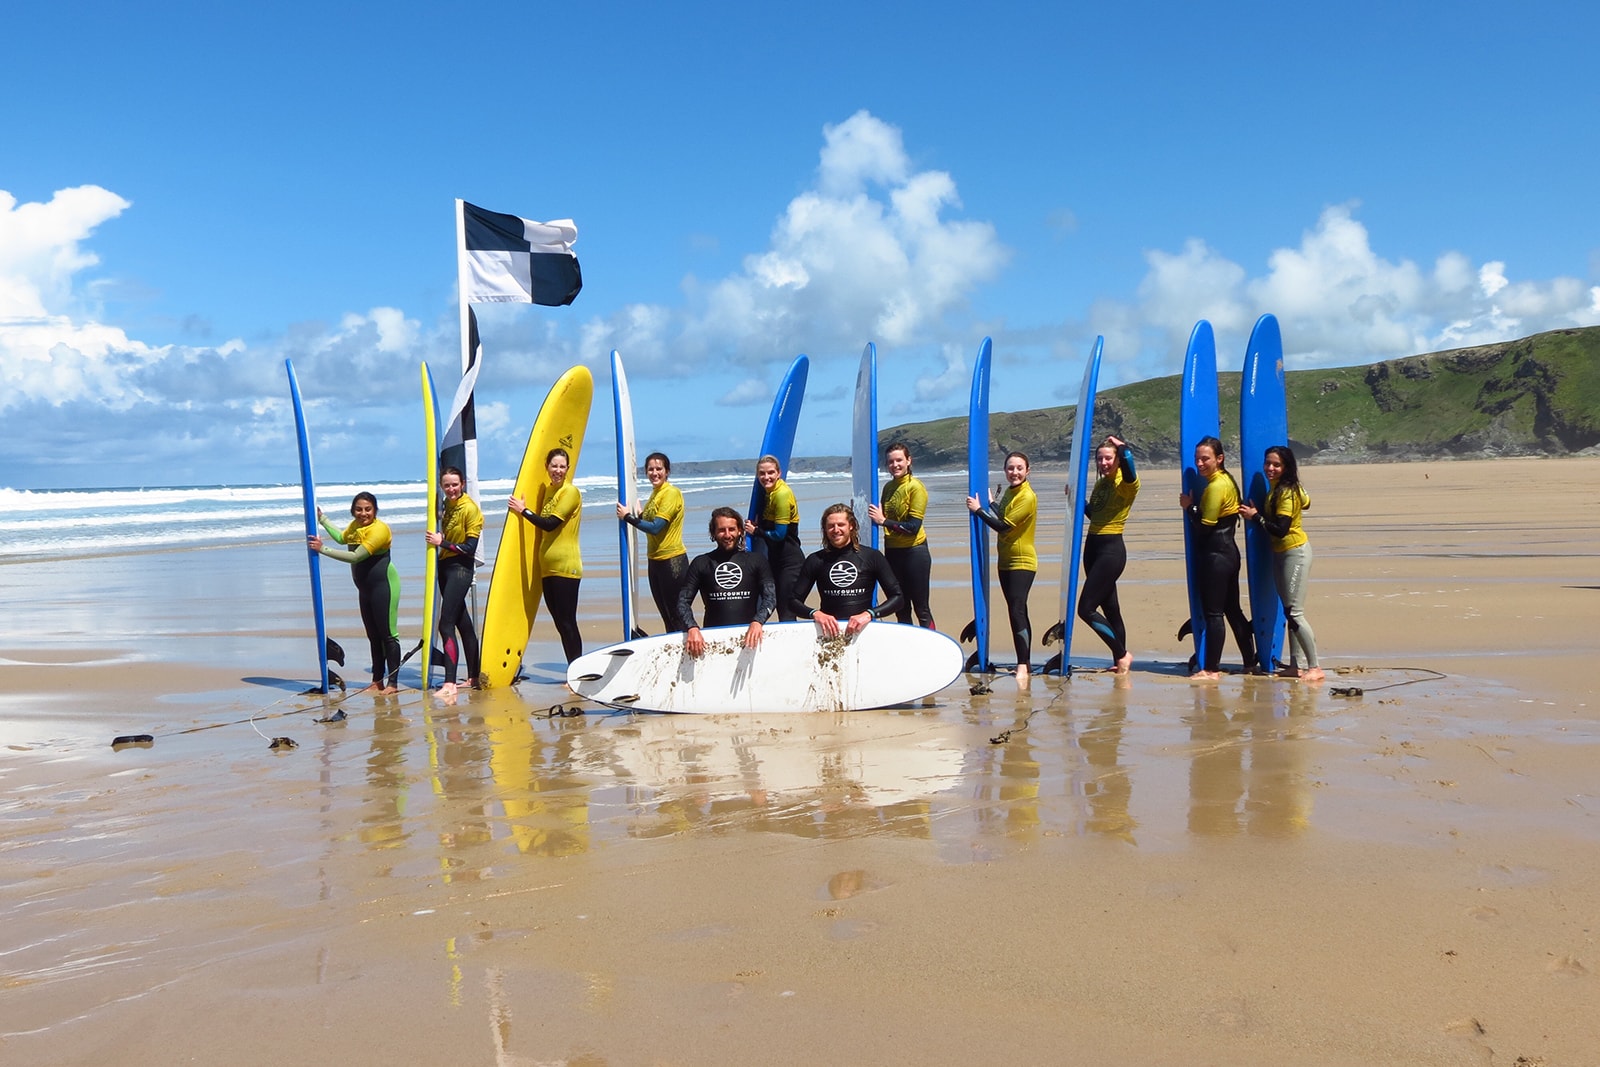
(333, 531)
(544, 522)
(991, 520)
(767, 601)
(1125, 460)
(777, 534)
(692, 579)
(653, 527)
(1274, 519)
(803, 585)
(893, 598)
(347, 555)
(468, 548)
(907, 526)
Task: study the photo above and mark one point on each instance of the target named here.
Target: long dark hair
(1289, 480)
(359, 497)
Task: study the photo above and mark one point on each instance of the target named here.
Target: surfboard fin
(335, 653)
(1056, 632)
(588, 678)
(620, 652)
(335, 680)
(970, 633)
(1053, 664)
(631, 698)
(638, 632)
(1186, 629)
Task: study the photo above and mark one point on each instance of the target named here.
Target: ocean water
(83, 523)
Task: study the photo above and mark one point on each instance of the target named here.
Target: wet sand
(1155, 871)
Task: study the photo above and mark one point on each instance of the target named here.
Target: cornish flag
(506, 259)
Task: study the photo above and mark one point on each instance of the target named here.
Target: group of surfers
(741, 587)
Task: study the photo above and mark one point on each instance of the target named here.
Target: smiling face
(1273, 466)
(1206, 460)
(557, 470)
(364, 512)
(655, 471)
(767, 475)
(837, 528)
(450, 485)
(1016, 470)
(1105, 460)
(726, 532)
(898, 462)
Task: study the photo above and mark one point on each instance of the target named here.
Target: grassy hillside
(1536, 396)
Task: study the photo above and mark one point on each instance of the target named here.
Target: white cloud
(1337, 300)
(950, 380)
(749, 391)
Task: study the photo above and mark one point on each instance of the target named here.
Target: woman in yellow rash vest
(1291, 556)
(559, 559)
(900, 512)
(661, 518)
(456, 541)
(377, 584)
(1013, 516)
(778, 529)
(1104, 554)
(1213, 519)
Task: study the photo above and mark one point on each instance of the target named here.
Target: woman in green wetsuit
(377, 584)
(1013, 516)
(778, 530)
(559, 559)
(456, 541)
(661, 518)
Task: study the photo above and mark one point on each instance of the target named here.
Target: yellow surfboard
(514, 586)
(430, 560)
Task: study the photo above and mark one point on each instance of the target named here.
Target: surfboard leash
(1353, 691)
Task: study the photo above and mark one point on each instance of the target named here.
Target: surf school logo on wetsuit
(728, 575)
(843, 575)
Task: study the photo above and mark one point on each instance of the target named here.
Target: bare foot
(1023, 677)
(1125, 664)
(390, 690)
(1312, 676)
(1206, 676)
(373, 688)
(447, 689)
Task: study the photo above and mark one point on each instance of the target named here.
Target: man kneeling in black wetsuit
(735, 584)
(845, 572)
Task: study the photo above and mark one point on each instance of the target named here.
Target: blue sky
(185, 200)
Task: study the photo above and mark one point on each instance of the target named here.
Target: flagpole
(470, 447)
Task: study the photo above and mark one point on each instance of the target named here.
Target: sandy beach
(1143, 870)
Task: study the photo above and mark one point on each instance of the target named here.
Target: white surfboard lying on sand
(795, 669)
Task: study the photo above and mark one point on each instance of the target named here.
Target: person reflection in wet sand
(1110, 791)
(1271, 795)
(383, 825)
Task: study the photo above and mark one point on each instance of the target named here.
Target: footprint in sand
(1568, 966)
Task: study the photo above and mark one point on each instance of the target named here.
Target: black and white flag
(506, 259)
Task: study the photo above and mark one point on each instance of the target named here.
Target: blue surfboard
(864, 443)
(778, 440)
(308, 496)
(1263, 422)
(627, 495)
(978, 486)
(1199, 415)
(1083, 448)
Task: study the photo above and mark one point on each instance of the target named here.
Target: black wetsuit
(736, 586)
(844, 579)
(1218, 572)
